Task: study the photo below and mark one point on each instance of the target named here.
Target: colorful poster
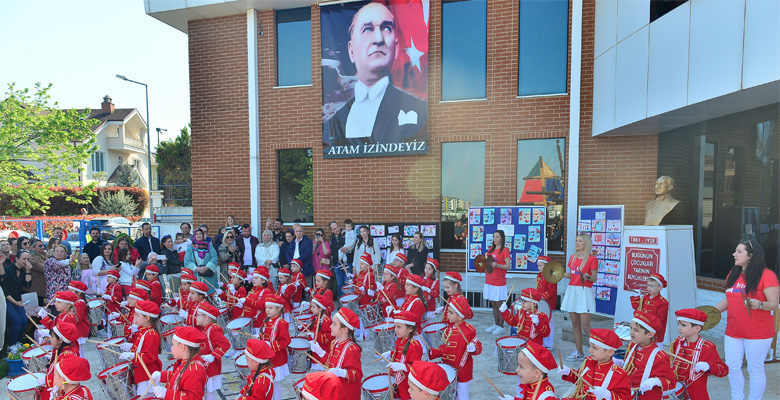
(583, 226)
(353, 60)
(612, 253)
(538, 216)
(598, 225)
(534, 252)
(524, 216)
(428, 242)
(408, 243)
(382, 242)
(392, 229)
(521, 261)
(606, 225)
(611, 280)
(599, 238)
(603, 293)
(410, 230)
(477, 233)
(599, 251)
(377, 230)
(474, 216)
(614, 225)
(489, 216)
(613, 239)
(509, 230)
(517, 234)
(519, 242)
(611, 267)
(474, 250)
(534, 234)
(428, 230)
(506, 216)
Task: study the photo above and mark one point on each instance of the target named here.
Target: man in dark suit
(301, 248)
(147, 243)
(247, 243)
(379, 112)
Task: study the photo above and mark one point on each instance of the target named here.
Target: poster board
(604, 224)
(524, 227)
(382, 232)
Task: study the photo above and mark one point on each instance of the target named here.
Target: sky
(81, 45)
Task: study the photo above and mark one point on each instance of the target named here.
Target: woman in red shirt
(578, 299)
(495, 282)
(749, 333)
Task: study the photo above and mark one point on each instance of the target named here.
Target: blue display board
(524, 228)
(604, 224)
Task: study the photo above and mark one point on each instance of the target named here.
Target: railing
(179, 195)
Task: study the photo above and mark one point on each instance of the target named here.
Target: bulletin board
(604, 224)
(383, 232)
(524, 228)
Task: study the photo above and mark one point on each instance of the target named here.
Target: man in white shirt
(247, 243)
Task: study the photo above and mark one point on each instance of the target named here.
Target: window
(296, 185)
(540, 182)
(543, 47)
(98, 162)
(463, 49)
(462, 186)
(293, 46)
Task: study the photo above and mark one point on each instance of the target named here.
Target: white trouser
(550, 339)
(463, 390)
(141, 387)
(82, 341)
(277, 391)
(755, 351)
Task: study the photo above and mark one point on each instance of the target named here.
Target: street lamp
(148, 140)
(158, 135)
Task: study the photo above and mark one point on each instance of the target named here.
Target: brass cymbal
(553, 272)
(489, 263)
(480, 263)
(713, 316)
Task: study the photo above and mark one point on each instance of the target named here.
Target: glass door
(704, 204)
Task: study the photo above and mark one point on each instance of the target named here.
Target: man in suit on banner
(379, 112)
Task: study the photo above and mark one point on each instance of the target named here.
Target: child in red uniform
(452, 286)
(260, 382)
(64, 340)
(253, 305)
(531, 324)
(276, 332)
(461, 344)
(534, 362)
(603, 375)
(286, 291)
(701, 353)
(235, 292)
(146, 346)
(131, 328)
(344, 354)
(431, 288)
(322, 386)
(406, 351)
(319, 330)
(415, 302)
(366, 286)
(187, 378)
(113, 294)
(298, 280)
(214, 348)
(151, 274)
(67, 377)
(655, 304)
(64, 303)
(648, 367)
(549, 292)
(388, 291)
(198, 293)
(427, 381)
(181, 300)
(79, 288)
(321, 282)
(146, 286)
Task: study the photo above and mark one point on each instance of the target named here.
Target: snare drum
(109, 358)
(623, 331)
(508, 347)
(432, 334)
(376, 387)
(24, 387)
(117, 327)
(116, 382)
(544, 307)
(370, 314)
(301, 309)
(242, 367)
(96, 312)
(170, 321)
(239, 325)
(34, 358)
(298, 387)
(349, 289)
(349, 301)
(384, 336)
(299, 362)
(680, 392)
(223, 318)
(167, 342)
(451, 392)
(302, 319)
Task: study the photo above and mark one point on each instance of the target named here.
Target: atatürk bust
(656, 210)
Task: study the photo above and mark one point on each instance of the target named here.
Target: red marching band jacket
(254, 306)
(657, 306)
(701, 350)
(365, 282)
(346, 355)
(649, 362)
(323, 336)
(146, 346)
(193, 380)
(433, 294)
(607, 375)
(261, 388)
(526, 329)
(453, 351)
(398, 355)
(216, 345)
(276, 332)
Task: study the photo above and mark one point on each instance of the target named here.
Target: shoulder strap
(649, 365)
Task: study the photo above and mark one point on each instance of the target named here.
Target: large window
(462, 186)
(463, 49)
(543, 46)
(540, 181)
(293, 46)
(296, 194)
(98, 161)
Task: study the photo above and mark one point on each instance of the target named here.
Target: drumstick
(111, 351)
(579, 378)
(536, 392)
(678, 357)
(510, 294)
(301, 324)
(105, 343)
(317, 361)
(560, 359)
(494, 385)
(389, 376)
(388, 300)
(31, 320)
(36, 343)
(461, 334)
(317, 327)
(143, 364)
(122, 315)
(245, 334)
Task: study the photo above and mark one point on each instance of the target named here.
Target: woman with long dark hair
(366, 244)
(495, 281)
(752, 293)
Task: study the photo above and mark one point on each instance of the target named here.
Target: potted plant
(15, 365)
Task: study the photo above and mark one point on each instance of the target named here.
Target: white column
(573, 167)
(254, 119)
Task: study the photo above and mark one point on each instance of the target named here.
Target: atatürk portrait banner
(374, 78)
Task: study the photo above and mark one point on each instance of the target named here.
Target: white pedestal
(667, 250)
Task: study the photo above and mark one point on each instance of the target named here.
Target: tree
(174, 166)
(126, 176)
(41, 146)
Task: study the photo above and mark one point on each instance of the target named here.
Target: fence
(176, 195)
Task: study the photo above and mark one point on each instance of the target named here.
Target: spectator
(93, 247)
(13, 242)
(59, 233)
(228, 252)
(53, 242)
(267, 253)
(124, 242)
(279, 235)
(416, 256)
(185, 229)
(495, 281)
(337, 238)
(459, 233)
(5, 253)
(86, 273)
(170, 257)
(127, 269)
(147, 243)
(579, 300)
(15, 277)
(289, 236)
(366, 244)
(321, 258)
(302, 249)
(205, 229)
(153, 259)
(396, 247)
(231, 224)
(57, 271)
(201, 258)
(23, 244)
(247, 244)
(101, 265)
(37, 259)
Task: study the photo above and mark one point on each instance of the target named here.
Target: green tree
(41, 146)
(295, 173)
(127, 176)
(174, 167)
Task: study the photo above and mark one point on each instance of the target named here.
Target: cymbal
(553, 272)
(489, 263)
(713, 316)
(480, 263)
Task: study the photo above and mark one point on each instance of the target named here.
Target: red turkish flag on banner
(410, 70)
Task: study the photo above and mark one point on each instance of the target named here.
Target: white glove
(44, 333)
(176, 296)
(701, 366)
(386, 355)
(283, 288)
(208, 358)
(349, 281)
(123, 304)
(396, 366)
(618, 362)
(350, 276)
(183, 314)
(601, 393)
(535, 319)
(389, 310)
(380, 286)
(133, 328)
(221, 284)
(114, 315)
(310, 335)
(649, 384)
(125, 346)
(107, 297)
(240, 304)
(127, 355)
(232, 287)
(218, 292)
(503, 307)
(307, 289)
(370, 292)
(315, 347)
(564, 370)
(242, 300)
(53, 392)
(438, 310)
(156, 376)
(41, 380)
(159, 392)
(471, 348)
(64, 262)
(42, 313)
(340, 372)
(297, 284)
(426, 289)
(48, 356)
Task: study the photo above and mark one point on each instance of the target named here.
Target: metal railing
(177, 195)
